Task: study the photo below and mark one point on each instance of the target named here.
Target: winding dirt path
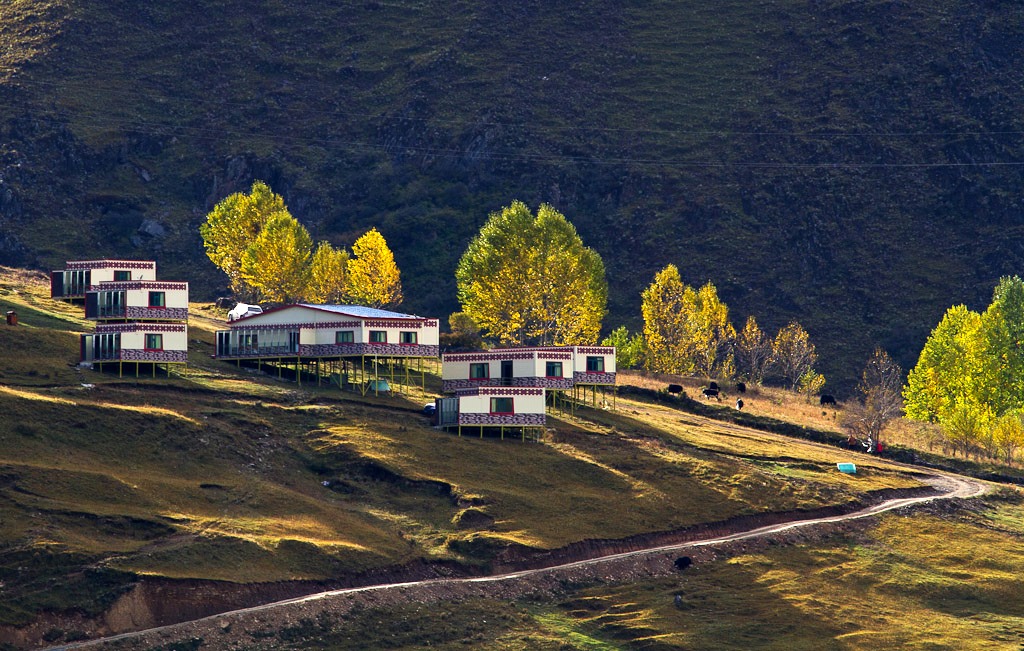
(218, 629)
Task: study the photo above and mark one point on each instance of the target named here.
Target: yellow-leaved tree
(686, 330)
(529, 279)
(232, 227)
(663, 305)
(327, 275)
(793, 354)
(710, 334)
(275, 265)
(753, 352)
(373, 278)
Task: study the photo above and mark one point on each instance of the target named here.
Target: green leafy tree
(793, 354)
(810, 383)
(965, 424)
(232, 227)
(753, 352)
(529, 279)
(373, 278)
(947, 371)
(629, 350)
(1000, 374)
(276, 264)
(664, 306)
(1008, 435)
(327, 279)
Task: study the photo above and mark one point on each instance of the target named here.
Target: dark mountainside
(852, 165)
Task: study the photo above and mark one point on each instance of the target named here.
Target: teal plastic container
(847, 468)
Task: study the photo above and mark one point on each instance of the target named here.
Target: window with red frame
(344, 336)
(502, 406)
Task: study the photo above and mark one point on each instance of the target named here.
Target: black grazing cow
(711, 393)
(675, 388)
(741, 387)
(827, 399)
(739, 404)
(683, 562)
(713, 385)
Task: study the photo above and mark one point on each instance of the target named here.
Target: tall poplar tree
(529, 279)
(663, 305)
(1001, 381)
(276, 264)
(327, 275)
(711, 336)
(793, 354)
(945, 378)
(753, 351)
(373, 277)
(233, 225)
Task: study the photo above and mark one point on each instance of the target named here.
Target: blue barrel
(847, 468)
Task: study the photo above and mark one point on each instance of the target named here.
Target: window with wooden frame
(345, 337)
(553, 369)
(154, 341)
(595, 365)
(407, 338)
(502, 406)
(479, 371)
(378, 336)
(157, 299)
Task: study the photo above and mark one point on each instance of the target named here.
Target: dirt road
(230, 630)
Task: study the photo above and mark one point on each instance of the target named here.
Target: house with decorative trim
(510, 386)
(551, 367)
(493, 407)
(140, 321)
(306, 330)
(353, 340)
(593, 365)
(512, 367)
(72, 282)
(137, 300)
(148, 342)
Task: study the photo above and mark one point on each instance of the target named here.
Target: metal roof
(361, 311)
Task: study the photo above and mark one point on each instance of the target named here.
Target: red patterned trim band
(109, 264)
(104, 328)
(120, 285)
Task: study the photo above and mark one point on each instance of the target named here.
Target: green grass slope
(230, 475)
(851, 165)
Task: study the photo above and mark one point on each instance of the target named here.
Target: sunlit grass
(907, 582)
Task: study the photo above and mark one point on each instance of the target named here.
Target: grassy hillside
(850, 165)
(230, 475)
(923, 582)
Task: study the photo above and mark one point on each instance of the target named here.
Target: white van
(243, 310)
